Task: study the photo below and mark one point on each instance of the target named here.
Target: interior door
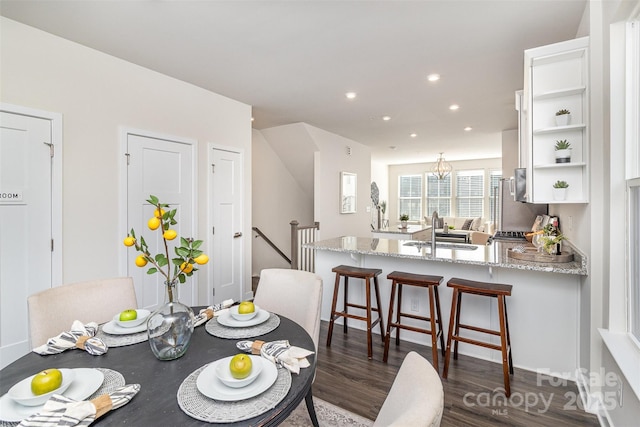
(226, 194)
(163, 167)
(26, 153)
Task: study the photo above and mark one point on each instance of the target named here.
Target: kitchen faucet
(434, 217)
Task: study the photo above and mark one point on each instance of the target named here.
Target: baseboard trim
(592, 403)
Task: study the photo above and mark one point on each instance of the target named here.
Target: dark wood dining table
(156, 402)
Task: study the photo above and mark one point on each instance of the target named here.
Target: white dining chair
(52, 311)
(416, 397)
(295, 294)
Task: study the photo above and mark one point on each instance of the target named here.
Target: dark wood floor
(346, 378)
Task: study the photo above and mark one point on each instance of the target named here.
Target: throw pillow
(475, 225)
(467, 224)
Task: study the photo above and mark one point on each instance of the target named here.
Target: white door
(163, 167)
(26, 237)
(225, 198)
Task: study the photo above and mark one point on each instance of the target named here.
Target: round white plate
(226, 320)
(209, 384)
(112, 328)
(21, 392)
(142, 318)
(86, 382)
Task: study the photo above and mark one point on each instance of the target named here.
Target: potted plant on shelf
(563, 151)
(560, 190)
(562, 117)
(403, 220)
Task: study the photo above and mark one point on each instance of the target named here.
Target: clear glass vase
(170, 327)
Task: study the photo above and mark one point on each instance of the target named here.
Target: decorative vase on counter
(559, 194)
(403, 224)
(563, 119)
(563, 156)
(170, 327)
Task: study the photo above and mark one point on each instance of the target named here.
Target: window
(438, 196)
(470, 193)
(494, 183)
(410, 201)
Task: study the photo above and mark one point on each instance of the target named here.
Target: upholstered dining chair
(296, 294)
(416, 397)
(52, 311)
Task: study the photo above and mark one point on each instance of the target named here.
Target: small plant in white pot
(563, 117)
(560, 190)
(563, 151)
(403, 220)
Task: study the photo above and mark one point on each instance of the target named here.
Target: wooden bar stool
(400, 278)
(493, 290)
(367, 274)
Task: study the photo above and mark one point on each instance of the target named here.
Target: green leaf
(181, 278)
(153, 200)
(183, 252)
(184, 242)
(152, 270)
(177, 261)
(196, 244)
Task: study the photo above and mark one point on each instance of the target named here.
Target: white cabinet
(556, 79)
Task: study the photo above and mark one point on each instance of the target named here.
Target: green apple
(128, 315)
(240, 366)
(246, 307)
(46, 381)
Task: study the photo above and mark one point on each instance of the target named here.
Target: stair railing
(303, 258)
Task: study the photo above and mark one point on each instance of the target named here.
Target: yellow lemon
(141, 261)
(154, 223)
(129, 241)
(158, 213)
(186, 267)
(202, 259)
(169, 234)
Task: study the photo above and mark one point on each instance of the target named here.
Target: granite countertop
(494, 255)
(395, 229)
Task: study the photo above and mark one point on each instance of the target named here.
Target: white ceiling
(293, 61)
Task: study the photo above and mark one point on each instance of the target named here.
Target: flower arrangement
(551, 237)
(188, 253)
(404, 217)
(561, 184)
(562, 112)
(562, 144)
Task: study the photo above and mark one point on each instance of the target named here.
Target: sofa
(476, 230)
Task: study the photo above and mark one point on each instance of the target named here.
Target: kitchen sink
(456, 246)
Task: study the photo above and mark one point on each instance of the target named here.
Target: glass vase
(170, 327)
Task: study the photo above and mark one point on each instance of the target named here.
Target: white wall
(331, 159)
(96, 94)
(278, 198)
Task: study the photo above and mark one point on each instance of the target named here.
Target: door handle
(236, 235)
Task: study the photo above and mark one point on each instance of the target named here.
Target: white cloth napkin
(212, 311)
(279, 352)
(62, 411)
(80, 336)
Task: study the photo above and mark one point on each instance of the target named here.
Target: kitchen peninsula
(543, 310)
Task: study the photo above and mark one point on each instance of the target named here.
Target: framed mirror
(348, 191)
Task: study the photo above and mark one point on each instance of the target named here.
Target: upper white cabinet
(556, 79)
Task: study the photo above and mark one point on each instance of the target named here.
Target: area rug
(328, 416)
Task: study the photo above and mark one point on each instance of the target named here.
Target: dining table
(163, 383)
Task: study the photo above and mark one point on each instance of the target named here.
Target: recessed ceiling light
(468, 128)
(386, 118)
(252, 118)
(433, 77)
(413, 135)
(351, 95)
(454, 107)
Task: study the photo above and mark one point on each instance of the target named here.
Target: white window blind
(470, 193)
(410, 200)
(438, 196)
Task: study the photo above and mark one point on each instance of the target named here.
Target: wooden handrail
(270, 243)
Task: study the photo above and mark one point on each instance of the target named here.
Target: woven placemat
(200, 407)
(121, 340)
(217, 330)
(112, 380)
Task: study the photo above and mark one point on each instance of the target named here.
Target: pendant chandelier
(441, 169)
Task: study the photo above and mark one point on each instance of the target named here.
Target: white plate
(209, 384)
(142, 317)
(86, 382)
(226, 320)
(224, 373)
(22, 394)
(112, 328)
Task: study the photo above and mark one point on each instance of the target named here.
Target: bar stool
(367, 274)
(493, 290)
(400, 278)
